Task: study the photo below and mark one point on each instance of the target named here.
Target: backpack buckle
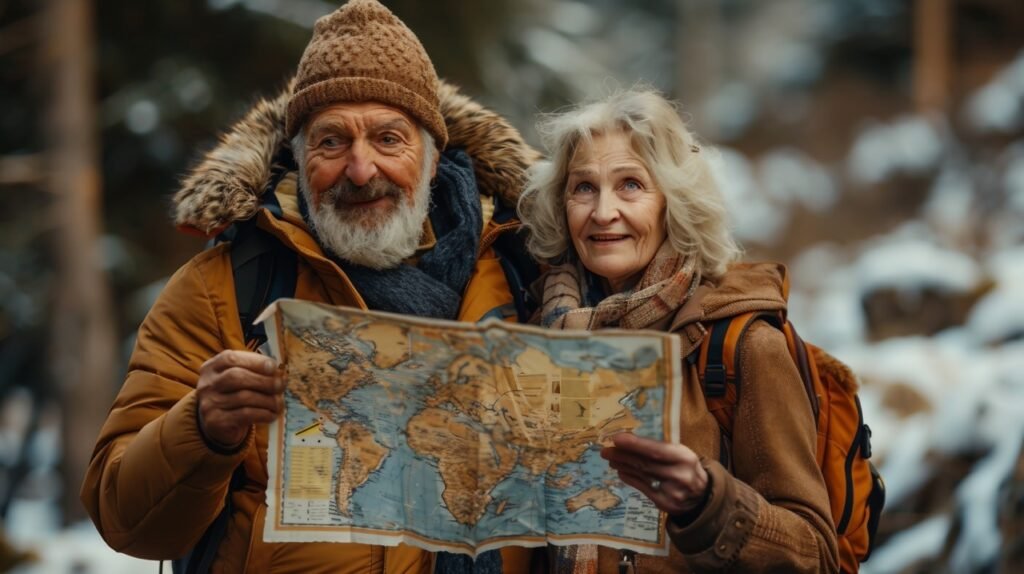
(865, 442)
(714, 380)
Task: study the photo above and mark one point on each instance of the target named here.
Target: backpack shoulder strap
(199, 559)
(520, 269)
(718, 363)
(805, 364)
(264, 271)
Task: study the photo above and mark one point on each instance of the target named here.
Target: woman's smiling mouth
(607, 237)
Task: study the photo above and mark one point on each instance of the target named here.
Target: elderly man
(380, 208)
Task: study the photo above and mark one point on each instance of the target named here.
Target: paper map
(458, 436)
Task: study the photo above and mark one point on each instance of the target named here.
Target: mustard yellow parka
(153, 484)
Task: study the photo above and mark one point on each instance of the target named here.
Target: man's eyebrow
(327, 126)
(397, 123)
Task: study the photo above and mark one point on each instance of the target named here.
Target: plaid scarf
(573, 299)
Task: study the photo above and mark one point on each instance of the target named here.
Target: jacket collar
(744, 287)
(227, 184)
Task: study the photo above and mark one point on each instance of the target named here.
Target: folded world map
(459, 436)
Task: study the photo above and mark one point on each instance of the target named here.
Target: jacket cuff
(181, 439)
(718, 534)
(214, 445)
(685, 519)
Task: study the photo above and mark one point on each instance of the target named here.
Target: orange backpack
(855, 489)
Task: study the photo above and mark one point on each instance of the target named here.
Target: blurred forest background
(875, 146)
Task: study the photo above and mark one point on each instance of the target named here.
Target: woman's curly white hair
(695, 213)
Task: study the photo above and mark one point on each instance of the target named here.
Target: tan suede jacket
(771, 512)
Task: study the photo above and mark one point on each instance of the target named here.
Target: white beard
(380, 244)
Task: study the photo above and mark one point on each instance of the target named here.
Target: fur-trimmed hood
(227, 183)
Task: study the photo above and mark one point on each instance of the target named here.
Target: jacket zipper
(850, 455)
(627, 565)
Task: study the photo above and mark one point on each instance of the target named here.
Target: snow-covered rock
(950, 204)
(909, 145)
(790, 176)
(999, 315)
(909, 260)
(999, 105)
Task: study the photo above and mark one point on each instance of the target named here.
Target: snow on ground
(33, 525)
(1002, 427)
(922, 541)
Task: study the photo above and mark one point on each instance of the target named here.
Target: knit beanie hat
(362, 52)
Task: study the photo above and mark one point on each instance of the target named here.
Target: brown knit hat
(362, 52)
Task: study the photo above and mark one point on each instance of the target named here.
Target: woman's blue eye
(583, 188)
(632, 184)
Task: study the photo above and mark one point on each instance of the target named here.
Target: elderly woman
(627, 213)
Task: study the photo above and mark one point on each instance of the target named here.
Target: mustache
(345, 192)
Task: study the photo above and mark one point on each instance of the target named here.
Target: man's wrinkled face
(365, 172)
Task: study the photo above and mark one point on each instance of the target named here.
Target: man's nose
(362, 166)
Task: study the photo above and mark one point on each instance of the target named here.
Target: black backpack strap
(264, 271)
(718, 356)
(200, 558)
(876, 501)
(520, 269)
(714, 374)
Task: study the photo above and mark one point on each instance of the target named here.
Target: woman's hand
(669, 474)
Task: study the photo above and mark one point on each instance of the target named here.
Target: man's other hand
(235, 390)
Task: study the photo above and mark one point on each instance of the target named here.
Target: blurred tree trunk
(932, 46)
(700, 58)
(83, 345)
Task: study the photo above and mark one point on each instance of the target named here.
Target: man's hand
(235, 390)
